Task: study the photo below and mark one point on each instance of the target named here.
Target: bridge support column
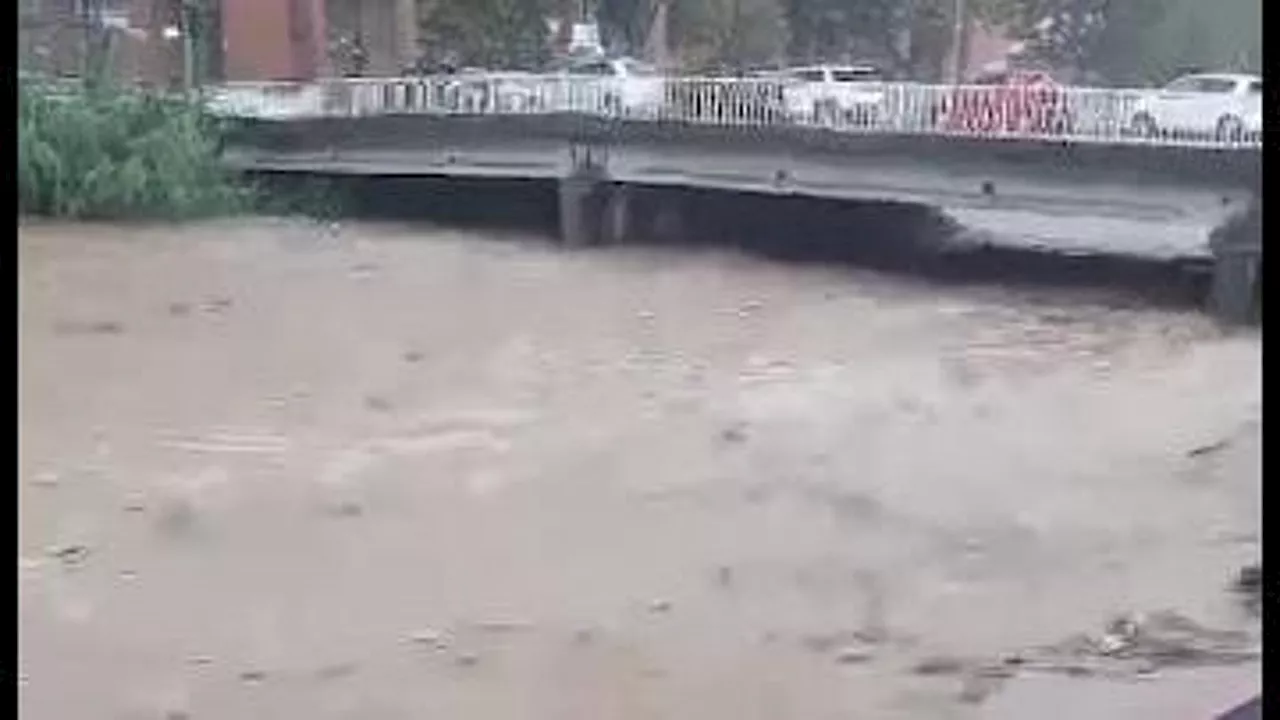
(582, 202)
(619, 215)
(671, 217)
(584, 194)
(1235, 294)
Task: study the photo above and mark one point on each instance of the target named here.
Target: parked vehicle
(622, 86)
(476, 90)
(517, 92)
(468, 91)
(1223, 106)
(831, 93)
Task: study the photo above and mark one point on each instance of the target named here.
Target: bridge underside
(1164, 203)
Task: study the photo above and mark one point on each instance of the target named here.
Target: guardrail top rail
(1048, 112)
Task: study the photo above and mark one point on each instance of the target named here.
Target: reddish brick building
(987, 47)
(53, 36)
(273, 39)
(243, 39)
(294, 39)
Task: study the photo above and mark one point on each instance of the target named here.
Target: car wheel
(1143, 125)
(1229, 129)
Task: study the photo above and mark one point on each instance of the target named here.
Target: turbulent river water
(273, 469)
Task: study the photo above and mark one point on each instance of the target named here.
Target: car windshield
(855, 75)
(1255, 87)
(1216, 85)
(815, 75)
(638, 69)
(595, 69)
(1185, 84)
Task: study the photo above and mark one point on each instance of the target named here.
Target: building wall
(273, 39)
(144, 52)
(53, 36)
(406, 19)
(50, 38)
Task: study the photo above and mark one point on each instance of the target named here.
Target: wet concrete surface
(276, 469)
(911, 240)
(1147, 220)
(1116, 198)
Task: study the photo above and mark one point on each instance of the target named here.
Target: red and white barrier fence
(1027, 111)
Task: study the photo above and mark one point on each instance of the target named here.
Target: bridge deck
(1152, 202)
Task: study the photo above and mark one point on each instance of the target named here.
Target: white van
(834, 93)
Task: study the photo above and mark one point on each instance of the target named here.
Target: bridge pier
(586, 203)
(596, 212)
(1235, 293)
(582, 202)
(671, 216)
(619, 215)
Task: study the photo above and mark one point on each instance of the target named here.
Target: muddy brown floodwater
(276, 470)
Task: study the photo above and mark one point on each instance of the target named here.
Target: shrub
(103, 153)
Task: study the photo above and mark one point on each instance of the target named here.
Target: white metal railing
(1076, 114)
(268, 101)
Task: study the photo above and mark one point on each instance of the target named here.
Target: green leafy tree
(487, 33)
(1125, 41)
(729, 33)
(625, 23)
(1224, 35)
(703, 32)
(102, 152)
(1070, 35)
(1132, 41)
(912, 37)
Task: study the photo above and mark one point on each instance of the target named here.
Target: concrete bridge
(1087, 187)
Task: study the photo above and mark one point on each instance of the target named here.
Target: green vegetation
(1192, 34)
(486, 33)
(1121, 41)
(99, 152)
(1137, 41)
(728, 33)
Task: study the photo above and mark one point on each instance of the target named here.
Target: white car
(618, 86)
(515, 92)
(826, 93)
(1220, 105)
(476, 90)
